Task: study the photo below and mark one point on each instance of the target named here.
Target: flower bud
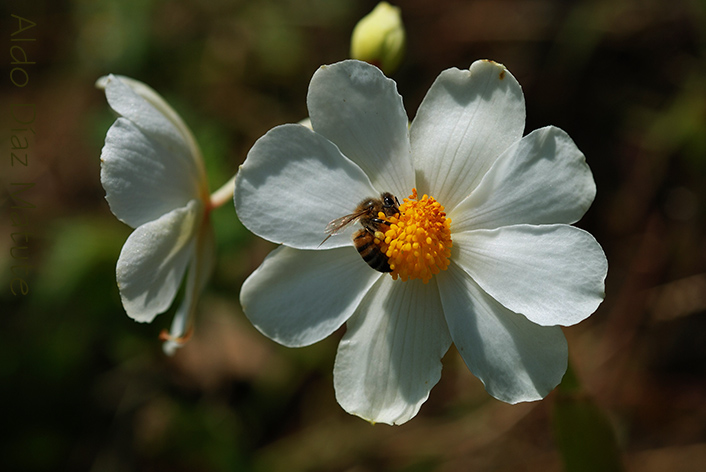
(379, 38)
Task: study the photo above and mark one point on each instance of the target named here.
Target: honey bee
(364, 239)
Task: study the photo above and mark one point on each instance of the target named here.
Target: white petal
(300, 297)
(466, 121)
(293, 183)
(142, 179)
(122, 102)
(151, 113)
(554, 274)
(542, 179)
(200, 268)
(515, 359)
(355, 106)
(153, 260)
(390, 356)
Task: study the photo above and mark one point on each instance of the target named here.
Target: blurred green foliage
(86, 388)
(585, 437)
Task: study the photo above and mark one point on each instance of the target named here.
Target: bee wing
(337, 225)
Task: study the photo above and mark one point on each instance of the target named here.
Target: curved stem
(223, 194)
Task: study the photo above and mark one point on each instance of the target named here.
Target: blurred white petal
(142, 179)
(200, 268)
(143, 106)
(153, 260)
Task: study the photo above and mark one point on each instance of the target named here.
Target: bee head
(390, 202)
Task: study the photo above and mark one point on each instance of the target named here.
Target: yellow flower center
(418, 241)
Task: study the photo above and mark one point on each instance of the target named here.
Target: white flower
(506, 273)
(154, 179)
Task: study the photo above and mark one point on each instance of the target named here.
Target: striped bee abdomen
(364, 242)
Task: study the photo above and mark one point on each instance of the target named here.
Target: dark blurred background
(84, 388)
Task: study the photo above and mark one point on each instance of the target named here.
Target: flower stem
(223, 194)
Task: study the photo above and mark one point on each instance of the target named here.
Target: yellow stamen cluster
(418, 241)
